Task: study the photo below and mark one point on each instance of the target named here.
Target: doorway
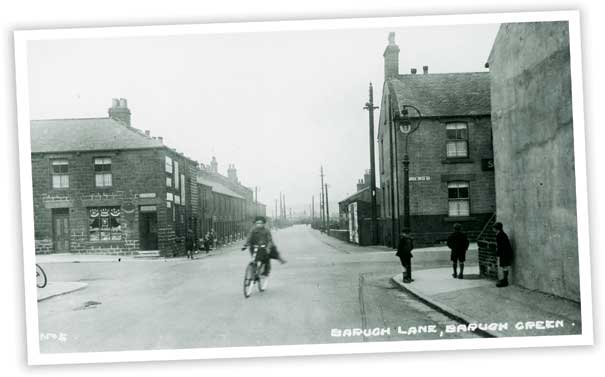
(148, 228)
(60, 230)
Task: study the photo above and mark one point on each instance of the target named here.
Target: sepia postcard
(312, 187)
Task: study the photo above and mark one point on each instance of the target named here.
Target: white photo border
(22, 37)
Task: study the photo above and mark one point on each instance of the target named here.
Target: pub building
(451, 176)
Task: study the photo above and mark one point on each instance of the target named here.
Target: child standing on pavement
(404, 252)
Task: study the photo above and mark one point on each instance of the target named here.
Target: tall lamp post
(407, 127)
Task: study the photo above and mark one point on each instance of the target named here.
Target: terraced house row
(103, 186)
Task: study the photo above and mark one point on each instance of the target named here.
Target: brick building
(355, 213)
(103, 186)
(221, 208)
(451, 158)
(534, 156)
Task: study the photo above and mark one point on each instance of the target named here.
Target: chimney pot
(413, 71)
(119, 111)
(425, 69)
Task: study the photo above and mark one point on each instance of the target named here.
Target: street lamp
(407, 126)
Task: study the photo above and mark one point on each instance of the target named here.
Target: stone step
(148, 254)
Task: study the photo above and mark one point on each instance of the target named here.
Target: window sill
(105, 243)
(457, 160)
(454, 219)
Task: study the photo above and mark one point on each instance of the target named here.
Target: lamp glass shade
(405, 127)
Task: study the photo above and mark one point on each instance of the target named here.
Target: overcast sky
(277, 105)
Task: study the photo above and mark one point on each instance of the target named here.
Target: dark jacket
(259, 236)
(504, 249)
(405, 247)
(458, 242)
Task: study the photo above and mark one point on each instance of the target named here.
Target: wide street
(179, 303)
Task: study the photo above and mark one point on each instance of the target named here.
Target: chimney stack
(119, 111)
(214, 165)
(147, 133)
(391, 58)
(425, 69)
(413, 71)
(232, 173)
(366, 178)
(360, 185)
(161, 139)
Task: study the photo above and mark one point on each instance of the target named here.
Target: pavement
(106, 258)
(435, 254)
(497, 312)
(54, 289)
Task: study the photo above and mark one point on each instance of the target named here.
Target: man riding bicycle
(260, 235)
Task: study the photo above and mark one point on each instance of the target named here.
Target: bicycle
(255, 271)
(40, 277)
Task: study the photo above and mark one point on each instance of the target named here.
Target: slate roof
(218, 187)
(359, 195)
(87, 134)
(444, 94)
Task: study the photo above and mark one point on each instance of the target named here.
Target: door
(353, 225)
(148, 228)
(61, 230)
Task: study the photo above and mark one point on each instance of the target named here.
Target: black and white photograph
(333, 186)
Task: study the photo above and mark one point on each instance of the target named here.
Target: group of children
(458, 244)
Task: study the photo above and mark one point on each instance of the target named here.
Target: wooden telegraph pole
(312, 209)
(323, 202)
(370, 107)
(327, 210)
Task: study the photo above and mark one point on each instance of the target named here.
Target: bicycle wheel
(263, 280)
(40, 277)
(249, 279)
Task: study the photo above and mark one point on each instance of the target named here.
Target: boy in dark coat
(458, 243)
(260, 235)
(504, 252)
(404, 252)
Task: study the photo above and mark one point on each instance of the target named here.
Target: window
(104, 224)
(60, 174)
(103, 176)
(183, 189)
(457, 140)
(168, 165)
(381, 159)
(458, 199)
(176, 175)
(168, 182)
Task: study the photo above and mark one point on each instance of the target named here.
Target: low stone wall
(44, 246)
(342, 235)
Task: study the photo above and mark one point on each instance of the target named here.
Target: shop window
(104, 224)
